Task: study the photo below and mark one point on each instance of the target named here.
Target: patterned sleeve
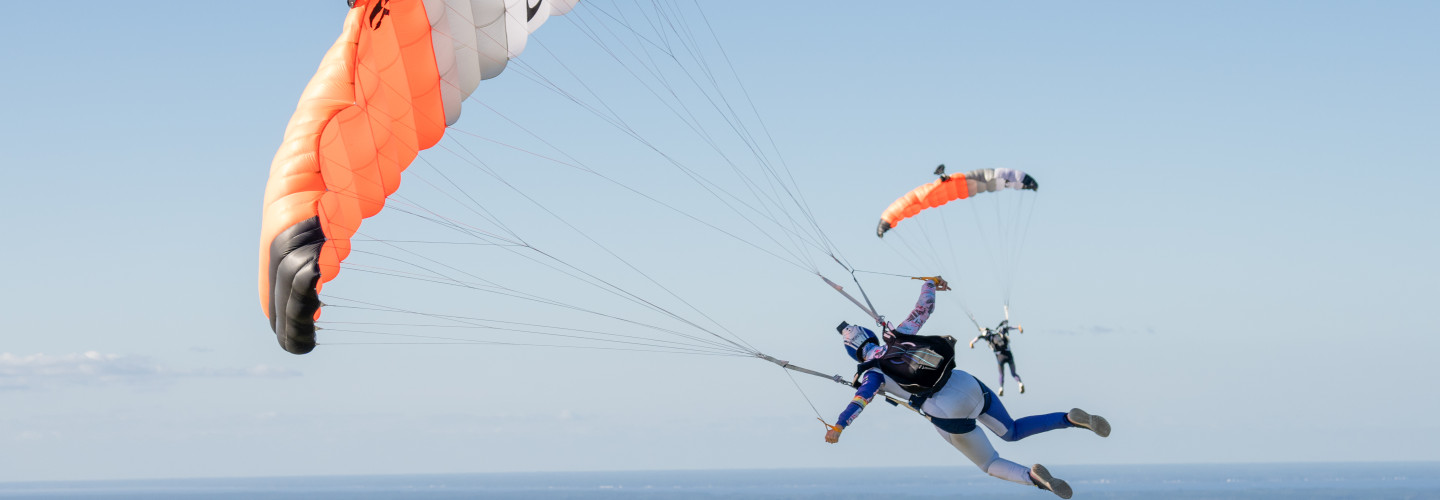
(922, 311)
(863, 395)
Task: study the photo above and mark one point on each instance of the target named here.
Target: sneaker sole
(1049, 483)
(1095, 423)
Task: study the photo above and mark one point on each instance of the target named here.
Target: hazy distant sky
(1232, 257)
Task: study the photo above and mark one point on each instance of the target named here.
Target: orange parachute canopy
(950, 188)
(386, 90)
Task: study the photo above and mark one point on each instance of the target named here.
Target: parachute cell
(385, 90)
(950, 188)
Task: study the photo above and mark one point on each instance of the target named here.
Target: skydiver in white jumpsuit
(959, 405)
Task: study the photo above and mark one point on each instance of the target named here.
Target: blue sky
(1232, 255)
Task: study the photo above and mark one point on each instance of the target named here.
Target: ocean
(1231, 481)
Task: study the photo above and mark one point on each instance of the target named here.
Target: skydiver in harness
(999, 339)
(955, 403)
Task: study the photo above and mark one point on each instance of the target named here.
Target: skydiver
(957, 405)
(999, 339)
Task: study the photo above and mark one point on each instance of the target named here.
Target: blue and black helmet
(856, 339)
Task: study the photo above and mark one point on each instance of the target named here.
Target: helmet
(859, 341)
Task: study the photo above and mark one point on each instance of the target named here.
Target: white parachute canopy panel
(475, 39)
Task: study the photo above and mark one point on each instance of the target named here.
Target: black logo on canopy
(378, 13)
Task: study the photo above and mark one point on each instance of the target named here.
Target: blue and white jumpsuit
(958, 407)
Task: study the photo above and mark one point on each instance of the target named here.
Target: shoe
(1095, 423)
(1043, 480)
(1000, 391)
(1022, 388)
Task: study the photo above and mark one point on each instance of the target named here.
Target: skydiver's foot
(1022, 388)
(1000, 391)
(1043, 480)
(1095, 423)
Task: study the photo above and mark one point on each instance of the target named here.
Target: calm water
(1268, 481)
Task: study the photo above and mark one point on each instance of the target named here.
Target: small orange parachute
(386, 90)
(950, 188)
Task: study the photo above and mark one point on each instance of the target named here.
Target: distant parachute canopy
(950, 188)
(386, 90)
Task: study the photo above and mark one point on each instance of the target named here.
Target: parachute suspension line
(934, 250)
(1024, 235)
(803, 395)
(798, 195)
(716, 192)
(961, 303)
(428, 215)
(969, 314)
(577, 165)
(474, 206)
(701, 342)
(430, 242)
(1003, 233)
(449, 341)
(879, 320)
(617, 257)
(654, 348)
(623, 127)
(920, 258)
(917, 260)
(481, 323)
(786, 367)
(430, 274)
(909, 260)
(611, 287)
(744, 132)
(988, 242)
(746, 345)
(833, 378)
(732, 117)
(868, 310)
(959, 299)
(738, 126)
(491, 287)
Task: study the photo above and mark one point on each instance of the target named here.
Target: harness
(921, 365)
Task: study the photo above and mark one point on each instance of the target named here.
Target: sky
(1231, 257)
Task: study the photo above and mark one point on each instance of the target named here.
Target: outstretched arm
(868, 387)
(983, 336)
(923, 308)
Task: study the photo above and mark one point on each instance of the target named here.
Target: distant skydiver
(999, 339)
(905, 368)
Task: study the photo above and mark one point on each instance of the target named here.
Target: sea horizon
(1329, 480)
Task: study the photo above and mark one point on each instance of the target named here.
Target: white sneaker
(1000, 391)
(1022, 387)
(1043, 480)
(1095, 423)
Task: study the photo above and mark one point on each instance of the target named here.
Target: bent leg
(977, 448)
